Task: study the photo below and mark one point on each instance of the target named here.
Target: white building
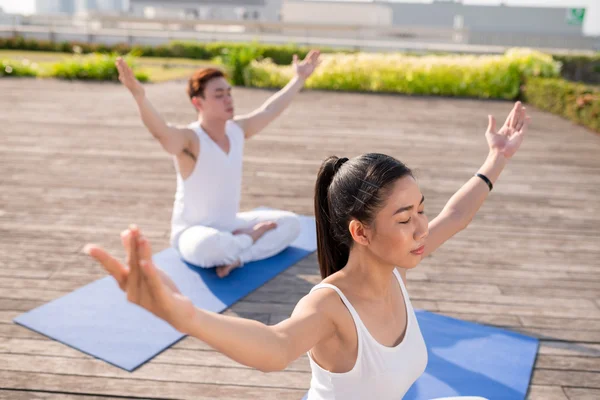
(361, 13)
(223, 10)
(53, 7)
(70, 7)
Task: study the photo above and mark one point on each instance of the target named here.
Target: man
(207, 228)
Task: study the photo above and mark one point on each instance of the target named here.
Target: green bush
(17, 68)
(280, 54)
(237, 60)
(451, 75)
(90, 67)
(580, 68)
(578, 102)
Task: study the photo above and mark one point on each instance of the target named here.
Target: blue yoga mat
(469, 359)
(97, 319)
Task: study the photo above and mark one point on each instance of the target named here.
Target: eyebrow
(222, 90)
(407, 208)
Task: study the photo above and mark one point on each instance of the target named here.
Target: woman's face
(398, 233)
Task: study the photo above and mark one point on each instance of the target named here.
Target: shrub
(450, 75)
(580, 68)
(90, 67)
(17, 68)
(578, 102)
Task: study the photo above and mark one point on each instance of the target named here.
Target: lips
(419, 251)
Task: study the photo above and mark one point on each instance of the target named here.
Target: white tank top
(380, 372)
(210, 196)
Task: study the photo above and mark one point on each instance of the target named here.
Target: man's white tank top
(380, 372)
(210, 196)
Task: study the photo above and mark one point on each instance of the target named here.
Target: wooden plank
(591, 364)
(551, 291)
(517, 309)
(539, 392)
(582, 394)
(156, 372)
(174, 356)
(18, 304)
(30, 395)
(487, 319)
(549, 347)
(560, 323)
(148, 389)
(561, 334)
(582, 379)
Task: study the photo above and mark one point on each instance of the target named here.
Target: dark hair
(346, 190)
(197, 82)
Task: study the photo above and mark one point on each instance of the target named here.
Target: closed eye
(408, 220)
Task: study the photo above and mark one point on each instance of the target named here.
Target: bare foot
(225, 270)
(257, 230)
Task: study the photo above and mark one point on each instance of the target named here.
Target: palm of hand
(306, 67)
(144, 284)
(509, 137)
(127, 77)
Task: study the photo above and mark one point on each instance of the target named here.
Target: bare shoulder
(184, 130)
(182, 141)
(323, 300)
(239, 123)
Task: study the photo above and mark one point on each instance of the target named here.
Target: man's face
(217, 102)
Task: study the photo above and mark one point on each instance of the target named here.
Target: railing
(119, 29)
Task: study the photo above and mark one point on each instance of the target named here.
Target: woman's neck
(369, 276)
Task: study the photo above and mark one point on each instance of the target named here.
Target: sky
(591, 24)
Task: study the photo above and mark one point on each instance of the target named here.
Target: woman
(357, 326)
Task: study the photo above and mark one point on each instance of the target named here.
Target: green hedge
(497, 77)
(578, 102)
(280, 54)
(17, 68)
(580, 68)
(100, 67)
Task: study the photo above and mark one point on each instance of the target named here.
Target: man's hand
(306, 67)
(128, 79)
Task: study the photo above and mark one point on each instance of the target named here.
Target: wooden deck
(76, 166)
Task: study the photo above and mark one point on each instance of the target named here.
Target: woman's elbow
(275, 364)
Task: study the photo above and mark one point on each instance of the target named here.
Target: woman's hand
(145, 284)
(306, 67)
(508, 139)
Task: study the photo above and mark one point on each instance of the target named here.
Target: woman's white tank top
(380, 372)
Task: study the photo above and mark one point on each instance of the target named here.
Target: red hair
(198, 81)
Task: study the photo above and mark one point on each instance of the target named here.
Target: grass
(158, 69)
(159, 73)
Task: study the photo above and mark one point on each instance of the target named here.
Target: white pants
(207, 247)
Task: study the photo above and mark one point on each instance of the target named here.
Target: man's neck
(215, 128)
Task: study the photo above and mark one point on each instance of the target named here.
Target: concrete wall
(486, 18)
(336, 13)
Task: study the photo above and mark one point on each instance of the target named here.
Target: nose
(422, 229)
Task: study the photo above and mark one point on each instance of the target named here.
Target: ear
(197, 102)
(359, 232)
